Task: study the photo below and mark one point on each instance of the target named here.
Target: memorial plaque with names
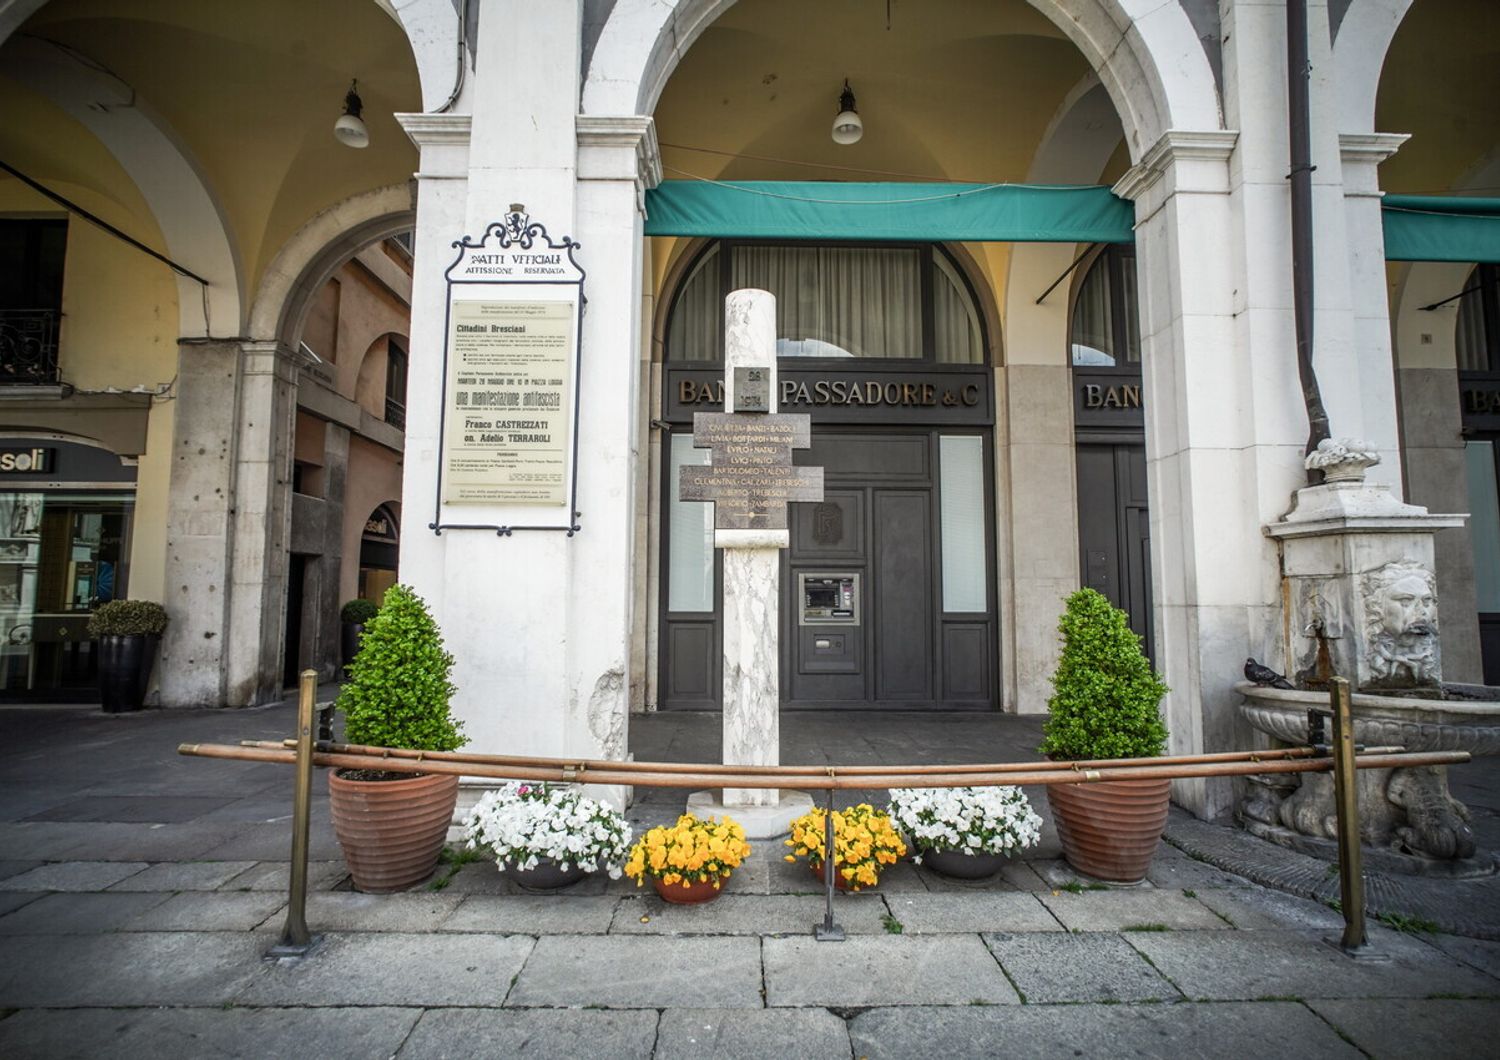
(751, 477)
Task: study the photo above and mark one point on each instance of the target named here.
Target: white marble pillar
(752, 576)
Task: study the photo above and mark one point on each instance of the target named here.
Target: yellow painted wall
(120, 310)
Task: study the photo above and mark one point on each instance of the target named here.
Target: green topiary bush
(122, 618)
(399, 689)
(1106, 696)
(357, 612)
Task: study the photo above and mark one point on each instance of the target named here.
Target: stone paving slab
(124, 841)
(15, 868)
(277, 876)
(77, 914)
(73, 876)
(563, 1034)
(940, 884)
(128, 1034)
(210, 911)
(267, 842)
(1245, 965)
(353, 911)
(750, 1034)
(1476, 953)
(392, 969)
(1401, 1029)
(777, 914)
(10, 900)
(883, 970)
(1089, 967)
(531, 914)
(42, 840)
(932, 914)
(1123, 910)
(1253, 908)
(183, 876)
(1021, 876)
(174, 968)
(1044, 1032)
(1171, 869)
(136, 808)
(641, 972)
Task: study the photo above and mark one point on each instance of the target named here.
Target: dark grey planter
(547, 876)
(349, 644)
(962, 866)
(125, 670)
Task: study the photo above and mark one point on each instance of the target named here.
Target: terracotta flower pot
(839, 882)
(392, 831)
(1110, 829)
(692, 894)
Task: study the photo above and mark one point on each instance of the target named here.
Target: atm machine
(830, 636)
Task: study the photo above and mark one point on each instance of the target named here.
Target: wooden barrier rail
(304, 753)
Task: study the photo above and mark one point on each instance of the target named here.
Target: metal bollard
(828, 930)
(1346, 803)
(296, 940)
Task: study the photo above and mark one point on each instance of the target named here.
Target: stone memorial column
(750, 481)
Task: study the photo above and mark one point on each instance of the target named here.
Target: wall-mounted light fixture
(847, 128)
(350, 128)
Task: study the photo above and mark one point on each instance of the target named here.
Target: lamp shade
(350, 128)
(847, 128)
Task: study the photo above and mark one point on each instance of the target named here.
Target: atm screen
(829, 599)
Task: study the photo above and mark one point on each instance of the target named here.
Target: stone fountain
(1361, 602)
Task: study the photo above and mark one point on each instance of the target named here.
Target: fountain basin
(1380, 720)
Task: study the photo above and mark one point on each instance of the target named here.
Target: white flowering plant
(522, 823)
(988, 820)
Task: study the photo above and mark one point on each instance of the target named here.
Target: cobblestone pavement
(139, 891)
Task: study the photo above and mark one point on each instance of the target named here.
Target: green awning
(1441, 228)
(1001, 213)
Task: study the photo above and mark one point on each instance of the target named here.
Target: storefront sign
(838, 396)
(33, 461)
(751, 478)
(510, 372)
(1481, 405)
(1103, 399)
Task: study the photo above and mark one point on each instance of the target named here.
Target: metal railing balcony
(28, 347)
(395, 413)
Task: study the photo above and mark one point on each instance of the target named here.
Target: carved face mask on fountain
(1401, 624)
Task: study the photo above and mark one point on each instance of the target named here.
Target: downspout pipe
(1300, 123)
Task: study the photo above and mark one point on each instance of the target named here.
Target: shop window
(1106, 327)
(31, 283)
(863, 302)
(1478, 335)
(690, 536)
(961, 482)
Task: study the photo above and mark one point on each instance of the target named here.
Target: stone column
(229, 519)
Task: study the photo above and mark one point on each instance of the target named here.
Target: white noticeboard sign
(510, 382)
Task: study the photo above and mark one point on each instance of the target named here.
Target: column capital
(443, 140)
(1196, 158)
(619, 147)
(1361, 153)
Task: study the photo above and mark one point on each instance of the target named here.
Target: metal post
(1346, 802)
(296, 941)
(828, 931)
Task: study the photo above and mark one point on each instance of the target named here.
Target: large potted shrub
(353, 617)
(1105, 704)
(127, 632)
(392, 825)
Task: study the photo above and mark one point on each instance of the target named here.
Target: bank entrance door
(886, 589)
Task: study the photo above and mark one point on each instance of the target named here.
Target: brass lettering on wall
(1101, 396)
(1481, 402)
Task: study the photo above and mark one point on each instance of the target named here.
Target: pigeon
(1264, 675)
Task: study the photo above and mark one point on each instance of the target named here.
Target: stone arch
(1359, 51)
(310, 257)
(644, 40)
